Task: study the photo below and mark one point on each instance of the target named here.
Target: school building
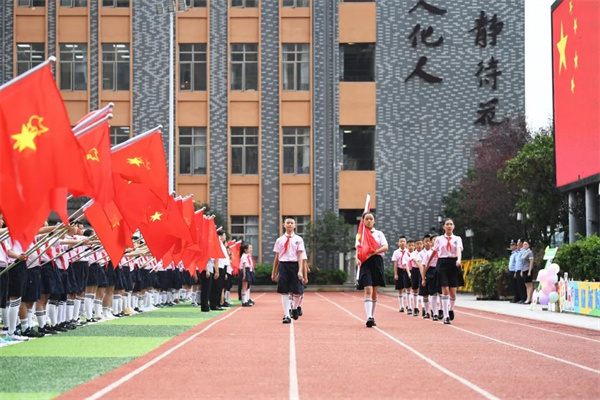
(290, 107)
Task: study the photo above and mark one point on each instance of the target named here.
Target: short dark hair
(410, 240)
(426, 237)
(88, 232)
(289, 217)
(402, 237)
(367, 213)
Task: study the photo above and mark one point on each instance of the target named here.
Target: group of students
(66, 280)
(520, 271)
(426, 271)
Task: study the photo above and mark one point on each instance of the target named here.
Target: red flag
(130, 198)
(235, 247)
(92, 117)
(365, 242)
(95, 144)
(214, 243)
(115, 236)
(142, 160)
(34, 130)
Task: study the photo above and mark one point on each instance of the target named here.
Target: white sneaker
(16, 338)
(109, 317)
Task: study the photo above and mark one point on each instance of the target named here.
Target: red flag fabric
(143, 161)
(95, 144)
(130, 198)
(214, 244)
(115, 236)
(87, 120)
(365, 242)
(235, 247)
(34, 130)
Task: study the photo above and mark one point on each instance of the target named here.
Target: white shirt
(4, 259)
(380, 239)
(441, 243)
(400, 257)
(223, 262)
(245, 262)
(296, 244)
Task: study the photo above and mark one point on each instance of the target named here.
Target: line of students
(424, 270)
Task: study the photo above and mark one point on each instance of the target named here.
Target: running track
(247, 353)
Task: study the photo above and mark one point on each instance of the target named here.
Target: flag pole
(95, 124)
(136, 138)
(50, 60)
(91, 117)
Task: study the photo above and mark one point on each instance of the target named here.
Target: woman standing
(371, 270)
(527, 269)
(448, 248)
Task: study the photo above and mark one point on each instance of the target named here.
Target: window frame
(244, 4)
(298, 132)
(72, 62)
(115, 134)
(304, 224)
(191, 3)
(116, 3)
(202, 132)
(193, 53)
(234, 226)
(362, 129)
(297, 65)
(31, 3)
(74, 3)
(115, 63)
(244, 146)
(30, 62)
(244, 63)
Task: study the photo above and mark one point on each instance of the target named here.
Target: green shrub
(389, 276)
(581, 259)
(262, 274)
(490, 279)
(326, 276)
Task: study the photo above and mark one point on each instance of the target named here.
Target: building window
(118, 134)
(32, 3)
(244, 67)
(73, 3)
(192, 151)
(115, 66)
(246, 229)
(244, 3)
(296, 3)
(73, 66)
(301, 223)
(359, 62)
(357, 1)
(244, 151)
(296, 150)
(29, 55)
(115, 3)
(296, 67)
(359, 148)
(192, 67)
(195, 3)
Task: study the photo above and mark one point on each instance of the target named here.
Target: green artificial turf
(46, 367)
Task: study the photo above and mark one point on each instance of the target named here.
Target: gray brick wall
(425, 132)
(218, 107)
(269, 50)
(150, 55)
(52, 50)
(6, 44)
(93, 56)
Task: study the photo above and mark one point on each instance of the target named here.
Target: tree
(329, 234)
(483, 202)
(530, 176)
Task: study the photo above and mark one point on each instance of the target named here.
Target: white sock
(115, 303)
(62, 311)
(227, 294)
(24, 324)
(52, 311)
(70, 309)
(369, 308)
(13, 315)
(452, 300)
(128, 299)
(446, 305)
(405, 299)
(373, 308)
(77, 307)
(147, 299)
(248, 295)
(30, 316)
(296, 302)
(105, 311)
(98, 308)
(301, 298)
(426, 305)
(285, 300)
(400, 301)
(434, 304)
(89, 305)
(41, 317)
(245, 299)
(420, 301)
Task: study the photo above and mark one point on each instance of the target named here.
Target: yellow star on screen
(576, 60)
(575, 26)
(25, 139)
(155, 217)
(572, 85)
(137, 161)
(562, 46)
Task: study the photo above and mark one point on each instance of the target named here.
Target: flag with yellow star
(112, 231)
(576, 82)
(143, 161)
(39, 156)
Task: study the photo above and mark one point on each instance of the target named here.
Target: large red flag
(34, 130)
(365, 242)
(235, 247)
(142, 160)
(131, 199)
(95, 144)
(115, 236)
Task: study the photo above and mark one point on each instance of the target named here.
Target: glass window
(115, 66)
(359, 62)
(301, 224)
(244, 151)
(73, 3)
(296, 66)
(192, 151)
(244, 3)
(245, 228)
(358, 148)
(296, 3)
(296, 150)
(73, 66)
(244, 67)
(32, 3)
(195, 3)
(118, 134)
(29, 55)
(115, 3)
(192, 67)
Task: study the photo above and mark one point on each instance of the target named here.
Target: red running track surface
(329, 353)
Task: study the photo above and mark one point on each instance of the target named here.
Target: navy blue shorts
(399, 283)
(448, 272)
(119, 281)
(49, 278)
(17, 279)
(406, 281)
(102, 278)
(288, 278)
(109, 271)
(3, 289)
(33, 288)
(145, 278)
(431, 286)
(415, 278)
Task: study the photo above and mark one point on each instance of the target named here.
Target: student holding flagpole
(370, 249)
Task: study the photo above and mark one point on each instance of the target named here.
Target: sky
(538, 63)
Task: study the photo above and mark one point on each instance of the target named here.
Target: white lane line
(156, 359)
(294, 394)
(451, 374)
(519, 347)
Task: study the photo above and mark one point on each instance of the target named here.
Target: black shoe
(59, 328)
(44, 330)
(286, 320)
(451, 314)
(295, 313)
(205, 310)
(226, 304)
(408, 311)
(68, 326)
(246, 304)
(374, 324)
(299, 311)
(219, 308)
(447, 321)
(416, 313)
(440, 314)
(251, 301)
(435, 317)
(426, 316)
(423, 312)
(30, 333)
(122, 314)
(401, 309)
(370, 322)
